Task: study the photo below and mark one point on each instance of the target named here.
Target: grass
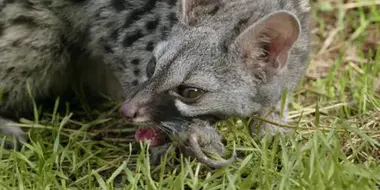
(336, 111)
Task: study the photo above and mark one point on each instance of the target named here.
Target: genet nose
(129, 110)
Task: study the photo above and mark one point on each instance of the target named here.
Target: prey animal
(192, 138)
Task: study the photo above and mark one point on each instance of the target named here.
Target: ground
(336, 113)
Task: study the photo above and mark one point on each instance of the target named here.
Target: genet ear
(189, 5)
(266, 44)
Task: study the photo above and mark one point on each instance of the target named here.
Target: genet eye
(151, 67)
(189, 92)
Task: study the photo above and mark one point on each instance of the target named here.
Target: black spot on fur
(29, 3)
(108, 48)
(151, 25)
(171, 2)
(24, 20)
(118, 5)
(25, 74)
(110, 24)
(164, 32)
(172, 17)
(131, 18)
(1, 29)
(136, 72)
(135, 61)
(150, 46)
(237, 28)
(78, 1)
(130, 39)
(10, 69)
(135, 83)
(149, 5)
(137, 13)
(115, 34)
